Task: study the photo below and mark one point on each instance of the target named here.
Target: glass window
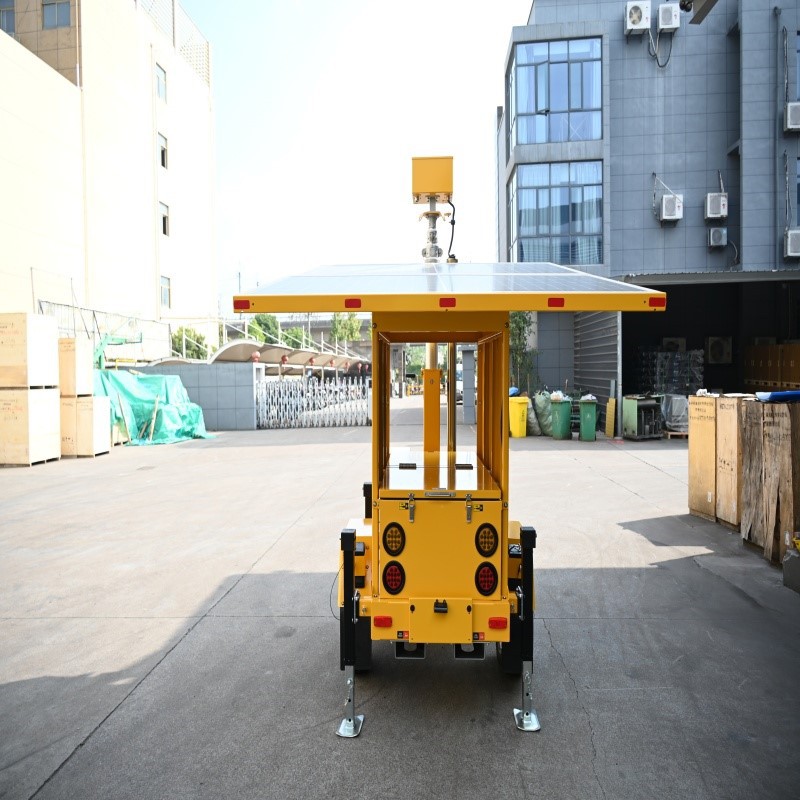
(7, 16)
(55, 14)
(555, 212)
(161, 82)
(163, 211)
(554, 92)
(166, 292)
(162, 150)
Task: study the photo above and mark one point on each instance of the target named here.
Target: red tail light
(394, 577)
(498, 623)
(386, 622)
(486, 578)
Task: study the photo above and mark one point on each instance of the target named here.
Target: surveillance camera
(686, 5)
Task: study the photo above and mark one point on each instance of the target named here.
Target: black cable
(669, 55)
(330, 595)
(452, 230)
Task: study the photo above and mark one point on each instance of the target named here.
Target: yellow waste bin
(518, 415)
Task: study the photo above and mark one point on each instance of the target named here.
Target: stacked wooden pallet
(29, 417)
(772, 367)
(85, 419)
(744, 468)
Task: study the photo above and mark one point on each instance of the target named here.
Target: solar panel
(529, 286)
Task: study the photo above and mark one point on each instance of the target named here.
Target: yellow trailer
(435, 559)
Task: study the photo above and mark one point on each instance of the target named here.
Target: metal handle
(440, 493)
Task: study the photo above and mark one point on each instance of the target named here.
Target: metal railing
(308, 403)
(146, 339)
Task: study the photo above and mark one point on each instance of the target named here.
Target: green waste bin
(588, 420)
(562, 411)
(518, 415)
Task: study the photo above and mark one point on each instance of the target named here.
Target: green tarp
(153, 409)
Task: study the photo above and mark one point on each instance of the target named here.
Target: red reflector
(658, 302)
(383, 622)
(241, 305)
(498, 623)
(555, 302)
(447, 302)
(352, 302)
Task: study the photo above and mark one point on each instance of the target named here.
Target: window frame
(161, 82)
(163, 151)
(57, 7)
(545, 108)
(163, 210)
(561, 231)
(8, 12)
(165, 285)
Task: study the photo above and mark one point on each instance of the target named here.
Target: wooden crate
(729, 460)
(752, 524)
(93, 433)
(790, 370)
(703, 456)
(75, 367)
(30, 429)
(28, 351)
(69, 426)
(774, 364)
(781, 478)
(119, 434)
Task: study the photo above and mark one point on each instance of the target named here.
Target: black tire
(364, 644)
(509, 654)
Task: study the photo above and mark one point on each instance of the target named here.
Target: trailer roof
(529, 286)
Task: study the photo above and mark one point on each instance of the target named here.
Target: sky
(319, 107)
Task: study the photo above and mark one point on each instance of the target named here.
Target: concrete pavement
(166, 631)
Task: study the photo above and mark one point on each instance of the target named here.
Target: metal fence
(309, 403)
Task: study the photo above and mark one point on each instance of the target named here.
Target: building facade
(638, 146)
(107, 147)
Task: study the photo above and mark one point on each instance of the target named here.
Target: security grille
(311, 404)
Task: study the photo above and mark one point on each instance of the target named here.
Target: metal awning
(530, 286)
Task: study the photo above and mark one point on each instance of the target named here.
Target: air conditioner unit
(637, 18)
(716, 205)
(717, 237)
(791, 243)
(719, 350)
(669, 17)
(791, 118)
(671, 207)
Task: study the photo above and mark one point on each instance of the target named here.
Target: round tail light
(394, 539)
(394, 577)
(486, 578)
(486, 540)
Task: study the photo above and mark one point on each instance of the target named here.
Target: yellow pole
(431, 400)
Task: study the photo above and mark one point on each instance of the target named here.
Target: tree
(196, 346)
(522, 358)
(345, 327)
(265, 328)
(294, 336)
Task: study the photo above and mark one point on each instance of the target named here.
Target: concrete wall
(41, 199)
(226, 392)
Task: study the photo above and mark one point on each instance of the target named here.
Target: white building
(106, 157)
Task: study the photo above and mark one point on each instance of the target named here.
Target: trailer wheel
(509, 654)
(364, 644)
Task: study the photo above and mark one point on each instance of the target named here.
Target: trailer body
(435, 558)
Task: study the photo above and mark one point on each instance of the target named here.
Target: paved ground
(166, 632)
